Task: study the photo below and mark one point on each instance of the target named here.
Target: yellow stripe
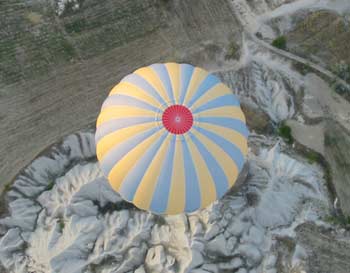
(112, 140)
(125, 88)
(152, 78)
(174, 74)
(144, 194)
(122, 112)
(176, 202)
(213, 93)
(197, 78)
(122, 168)
(206, 183)
(230, 135)
(224, 112)
(225, 161)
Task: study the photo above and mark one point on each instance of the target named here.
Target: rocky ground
(63, 217)
(59, 214)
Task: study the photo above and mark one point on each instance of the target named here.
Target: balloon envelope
(171, 138)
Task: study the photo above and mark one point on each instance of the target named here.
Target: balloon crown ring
(177, 119)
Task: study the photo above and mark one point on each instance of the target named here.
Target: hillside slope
(55, 70)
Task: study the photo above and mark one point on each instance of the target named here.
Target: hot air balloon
(171, 138)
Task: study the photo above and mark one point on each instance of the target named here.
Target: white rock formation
(64, 217)
(266, 82)
(63, 5)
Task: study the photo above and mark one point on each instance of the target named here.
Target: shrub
(302, 68)
(7, 187)
(232, 51)
(285, 132)
(50, 185)
(340, 89)
(338, 220)
(61, 224)
(342, 70)
(76, 26)
(329, 140)
(280, 42)
(312, 157)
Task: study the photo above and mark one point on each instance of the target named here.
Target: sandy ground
(319, 97)
(311, 136)
(319, 101)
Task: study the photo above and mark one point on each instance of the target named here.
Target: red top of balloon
(177, 119)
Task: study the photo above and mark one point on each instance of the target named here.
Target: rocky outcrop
(262, 83)
(337, 147)
(257, 120)
(64, 217)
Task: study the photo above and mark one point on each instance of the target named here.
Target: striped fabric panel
(160, 171)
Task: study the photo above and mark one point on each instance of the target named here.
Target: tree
(280, 42)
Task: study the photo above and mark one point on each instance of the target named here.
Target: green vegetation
(302, 68)
(340, 89)
(76, 26)
(285, 132)
(7, 187)
(312, 157)
(280, 42)
(342, 70)
(35, 41)
(50, 185)
(327, 174)
(338, 220)
(40, 45)
(61, 224)
(232, 51)
(329, 140)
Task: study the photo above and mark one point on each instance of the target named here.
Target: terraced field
(57, 66)
(322, 36)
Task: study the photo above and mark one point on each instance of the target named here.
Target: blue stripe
(228, 147)
(209, 82)
(117, 153)
(160, 197)
(217, 173)
(121, 100)
(193, 197)
(119, 123)
(144, 84)
(185, 78)
(163, 75)
(234, 124)
(134, 177)
(225, 100)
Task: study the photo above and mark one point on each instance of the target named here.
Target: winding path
(239, 11)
